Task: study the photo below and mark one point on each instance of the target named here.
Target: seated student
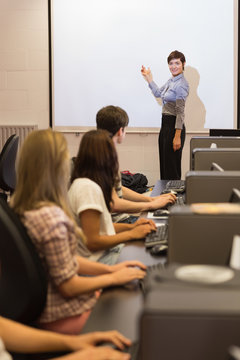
(25, 340)
(41, 200)
(115, 120)
(94, 175)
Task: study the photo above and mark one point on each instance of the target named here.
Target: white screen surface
(98, 47)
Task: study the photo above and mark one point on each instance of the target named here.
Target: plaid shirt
(52, 232)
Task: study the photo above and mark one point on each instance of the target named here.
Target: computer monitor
(224, 132)
(235, 196)
(216, 167)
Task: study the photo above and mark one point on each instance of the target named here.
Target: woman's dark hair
(97, 160)
(176, 55)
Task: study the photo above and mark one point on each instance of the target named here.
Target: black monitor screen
(224, 132)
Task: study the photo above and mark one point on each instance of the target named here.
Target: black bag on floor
(137, 182)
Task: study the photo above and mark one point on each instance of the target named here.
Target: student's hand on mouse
(126, 275)
(94, 338)
(147, 74)
(127, 264)
(99, 353)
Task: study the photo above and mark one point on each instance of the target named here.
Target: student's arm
(16, 338)
(96, 353)
(119, 227)
(90, 223)
(131, 195)
(78, 285)
(64, 267)
(90, 267)
(126, 206)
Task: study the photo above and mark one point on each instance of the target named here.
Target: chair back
(23, 281)
(7, 164)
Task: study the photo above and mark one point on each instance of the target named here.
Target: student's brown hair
(97, 160)
(112, 118)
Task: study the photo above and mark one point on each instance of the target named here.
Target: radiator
(21, 130)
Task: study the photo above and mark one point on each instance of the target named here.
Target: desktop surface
(159, 187)
(120, 307)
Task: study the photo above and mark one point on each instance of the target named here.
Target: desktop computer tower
(210, 186)
(189, 321)
(227, 158)
(202, 233)
(213, 141)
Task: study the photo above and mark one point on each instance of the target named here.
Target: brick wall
(24, 62)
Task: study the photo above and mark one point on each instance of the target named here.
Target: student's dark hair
(112, 118)
(97, 160)
(176, 55)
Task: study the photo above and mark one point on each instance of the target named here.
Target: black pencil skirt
(170, 161)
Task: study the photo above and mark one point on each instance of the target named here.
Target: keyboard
(176, 185)
(144, 283)
(161, 213)
(180, 200)
(159, 236)
(154, 267)
(133, 350)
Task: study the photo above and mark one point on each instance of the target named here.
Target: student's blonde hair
(43, 173)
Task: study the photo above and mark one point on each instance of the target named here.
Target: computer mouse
(161, 212)
(159, 249)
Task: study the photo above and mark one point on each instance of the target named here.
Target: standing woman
(172, 134)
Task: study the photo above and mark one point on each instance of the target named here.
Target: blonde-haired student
(41, 201)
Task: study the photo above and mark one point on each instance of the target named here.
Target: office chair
(23, 282)
(7, 164)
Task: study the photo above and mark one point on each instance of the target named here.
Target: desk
(159, 187)
(118, 308)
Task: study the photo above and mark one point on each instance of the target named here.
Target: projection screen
(99, 46)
